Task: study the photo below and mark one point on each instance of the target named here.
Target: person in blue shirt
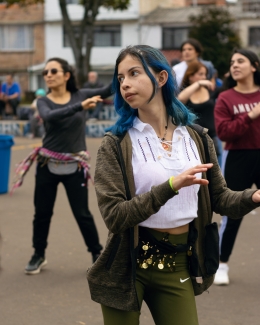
(10, 94)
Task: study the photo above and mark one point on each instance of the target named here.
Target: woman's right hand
(91, 102)
(206, 83)
(189, 178)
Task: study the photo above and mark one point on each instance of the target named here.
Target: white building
(163, 24)
(113, 31)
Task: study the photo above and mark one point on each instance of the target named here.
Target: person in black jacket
(62, 158)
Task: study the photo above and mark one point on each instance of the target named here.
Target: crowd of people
(172, 123)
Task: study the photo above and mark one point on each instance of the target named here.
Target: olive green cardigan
(111, 279)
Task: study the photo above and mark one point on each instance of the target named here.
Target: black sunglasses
(52, 71)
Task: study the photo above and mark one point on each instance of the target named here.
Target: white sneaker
(221, 277)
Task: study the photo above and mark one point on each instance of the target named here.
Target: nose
(125, 84)
(235, 64)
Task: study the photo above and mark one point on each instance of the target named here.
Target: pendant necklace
(166, 129)
(165, 144)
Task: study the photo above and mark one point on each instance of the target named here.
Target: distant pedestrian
(94, 83)
(62, 158)
(237, 117)
(10, 96)
(191, 51)
(152, 192)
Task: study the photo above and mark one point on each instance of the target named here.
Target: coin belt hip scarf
(159, 249)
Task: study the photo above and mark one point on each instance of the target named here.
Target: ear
(67, 76)
(253, 68)
(162, 78)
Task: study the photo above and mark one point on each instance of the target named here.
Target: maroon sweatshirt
(233, 125)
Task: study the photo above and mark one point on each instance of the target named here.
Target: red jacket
(233, 125)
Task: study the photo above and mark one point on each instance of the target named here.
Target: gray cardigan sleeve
(118, 213)
(234, 204)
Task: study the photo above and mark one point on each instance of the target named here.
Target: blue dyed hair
(155, 60)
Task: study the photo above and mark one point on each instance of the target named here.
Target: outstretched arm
(58, 114)
(119, 213)
(103, 92)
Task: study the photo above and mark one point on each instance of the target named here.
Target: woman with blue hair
(152, 192)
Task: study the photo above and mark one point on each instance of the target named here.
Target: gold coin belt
(146, 259)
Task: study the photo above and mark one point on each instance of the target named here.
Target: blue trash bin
(6, 142)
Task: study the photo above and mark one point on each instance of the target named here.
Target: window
(16, 37)
(173, 37)
(254, 36)
(107, 36)
(103, 35)
(251, 5)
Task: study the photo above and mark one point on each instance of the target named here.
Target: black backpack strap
(199, 129)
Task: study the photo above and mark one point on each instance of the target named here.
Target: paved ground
(59, 294)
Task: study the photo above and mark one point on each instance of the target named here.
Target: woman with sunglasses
(62, 158)
(237, 118)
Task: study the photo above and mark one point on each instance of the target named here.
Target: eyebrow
(239, 59)
(119, 74)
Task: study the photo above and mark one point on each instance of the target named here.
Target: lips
(129, 96)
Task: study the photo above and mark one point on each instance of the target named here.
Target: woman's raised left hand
(256, 197)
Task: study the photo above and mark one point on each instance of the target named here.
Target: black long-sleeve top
(65, 124)
(205, 113)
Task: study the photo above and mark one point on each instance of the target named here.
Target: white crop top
(152, 166)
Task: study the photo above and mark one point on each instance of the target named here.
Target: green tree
(77, 39)
(215, 28)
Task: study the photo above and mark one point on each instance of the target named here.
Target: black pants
(2, 107)
(12, 102)
(44, 198)
(241, 171)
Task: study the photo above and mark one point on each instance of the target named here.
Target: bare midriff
(175, 231)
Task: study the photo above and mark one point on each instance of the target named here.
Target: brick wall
(17, 62)
(171, 54)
